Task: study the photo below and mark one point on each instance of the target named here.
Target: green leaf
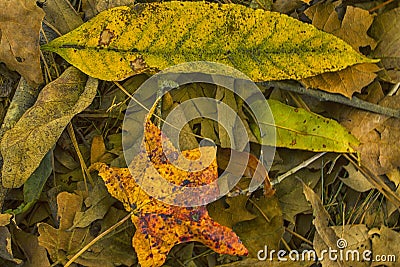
(24, 146)
(297, 128)
(124, 41)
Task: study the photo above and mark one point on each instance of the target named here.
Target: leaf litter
(355, 207)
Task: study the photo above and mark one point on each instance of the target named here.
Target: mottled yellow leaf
(24, 146)
(264, 45)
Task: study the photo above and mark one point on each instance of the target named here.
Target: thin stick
(298, 167)
(325, 96)
(91, 243)
(380, 5)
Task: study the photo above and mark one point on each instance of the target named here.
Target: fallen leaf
(385, 242)
(97, 205)
(235, 212)
(264, 45)
(94, 7)
(266, 229)
(352, 238)
(378, 134)
(160, 226)
(6, 251)
(19, 38)
(345, 82)
(63, 243)
(356, 180)
(24, 146)
(386, 29)
(321, 222)
(36, 256)
(246, 163)
(297, 128)
(60, 14)
(98, 149)
(352, 29)
(290, 193)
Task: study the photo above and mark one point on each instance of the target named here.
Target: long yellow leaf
(124, 41)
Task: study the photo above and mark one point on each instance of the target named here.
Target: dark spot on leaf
(105, 37)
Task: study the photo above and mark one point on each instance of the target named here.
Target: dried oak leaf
(352, 29)
(63, 242)
(378, 134)
(386, 29)
(160, 226)
(20, 22)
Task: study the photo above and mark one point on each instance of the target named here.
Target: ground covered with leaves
(330, 71)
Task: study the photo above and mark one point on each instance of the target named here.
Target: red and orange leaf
(160, 226)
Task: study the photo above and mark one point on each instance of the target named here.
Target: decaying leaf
(62, 243)
(353, 238)
(297, 128)
(94, 7)
(321, 222)
(379, 135)
(266, 229)
(24, 146)
(6, 251)
(36, 255)
(20, 22)
(235, 213)
(124, 41)
(386, 29)
(356, 180)
(160, 226)
(61, 14)
(352, 29)
(385, 241)
(345, 82)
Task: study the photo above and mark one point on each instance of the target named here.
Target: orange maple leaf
(160, 226)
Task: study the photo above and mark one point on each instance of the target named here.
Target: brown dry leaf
(235, 213)
(6, 252)
(356, 180)
(352, 238)
(386, 29)
(262, 231)
(36, 255)
(97, 205)
(345, 82)
(352, 29)
(60, 14)
(290, 193)
(98, 149)
(62, 243)
(253, 167)
(385, 242)
(321, 221)
(94, 7)
(379, 134)
(20, 23)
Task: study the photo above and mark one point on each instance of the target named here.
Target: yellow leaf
(264, 45)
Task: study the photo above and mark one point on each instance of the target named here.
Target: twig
(91, 243)
(325, 96)
(298, 167)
